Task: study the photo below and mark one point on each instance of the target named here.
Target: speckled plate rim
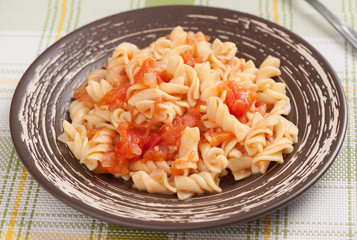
(281, 201)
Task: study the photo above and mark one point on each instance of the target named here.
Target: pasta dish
(177, 116)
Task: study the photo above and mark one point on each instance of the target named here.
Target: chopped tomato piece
(238, 99)
(170, 139)
(165, 76)
(132, 139)
(171, 132)
(192, 118)
(175, 171)
(154, 140)
(157, 145)
(189, 59)
(115, 97)
(216, 138)
(146, 72)
(113, 165)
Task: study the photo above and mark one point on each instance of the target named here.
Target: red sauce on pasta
(189, 59)
(158, 145)
(238, 99)
(216, 138)
(115, 97)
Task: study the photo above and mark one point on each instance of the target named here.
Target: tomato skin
(165, 76)
(238, 99)
(170, 134)
(153, 140)
(132, 139)
(216, 138)
(115, 97)
(146, 67)
(189, 59)
(192, 118)
(175, 171)
(159, 145)
(114, 165)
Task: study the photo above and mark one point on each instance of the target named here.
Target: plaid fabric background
(27, 211)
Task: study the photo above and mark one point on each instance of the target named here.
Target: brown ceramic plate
(42, 98)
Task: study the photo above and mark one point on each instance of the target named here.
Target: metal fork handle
(340, 26)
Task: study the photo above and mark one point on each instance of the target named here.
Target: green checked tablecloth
(327, 211)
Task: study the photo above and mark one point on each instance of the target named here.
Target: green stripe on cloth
(354, 80)
(286, 221)
(78, 9)
(5, 181)
(117, 232)
(50, 33)
(70, 17)
(349, 141)
(151, 3)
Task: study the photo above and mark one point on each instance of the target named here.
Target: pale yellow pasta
(97, 90)
(213, 158)
(99, 148)
(188, 151)
(240, 167)
(159, 184)
(179, 115)
(161, 47)
(194, 85)
(196, 183)
(120, 115)
(225, 51)
(168, 111)
(209, 80)
(149, 166)
(75, 136)
(97, 117)
(119, 59)
(97, 75)
(178, 37)
(218, 112)
(78, 109)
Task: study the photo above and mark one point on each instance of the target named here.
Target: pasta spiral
(218, 112)
(145, 182)
(196, 183)
(213, 158)
(179, 114)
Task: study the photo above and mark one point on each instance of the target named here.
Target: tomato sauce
(189, 59)
(238, 99)
(159, 145)
(115, 97)
(217, 138)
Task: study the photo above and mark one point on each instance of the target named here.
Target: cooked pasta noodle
(180, 114)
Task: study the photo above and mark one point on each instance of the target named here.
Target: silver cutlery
(340, 26)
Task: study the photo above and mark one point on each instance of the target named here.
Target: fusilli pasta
(178, 115)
